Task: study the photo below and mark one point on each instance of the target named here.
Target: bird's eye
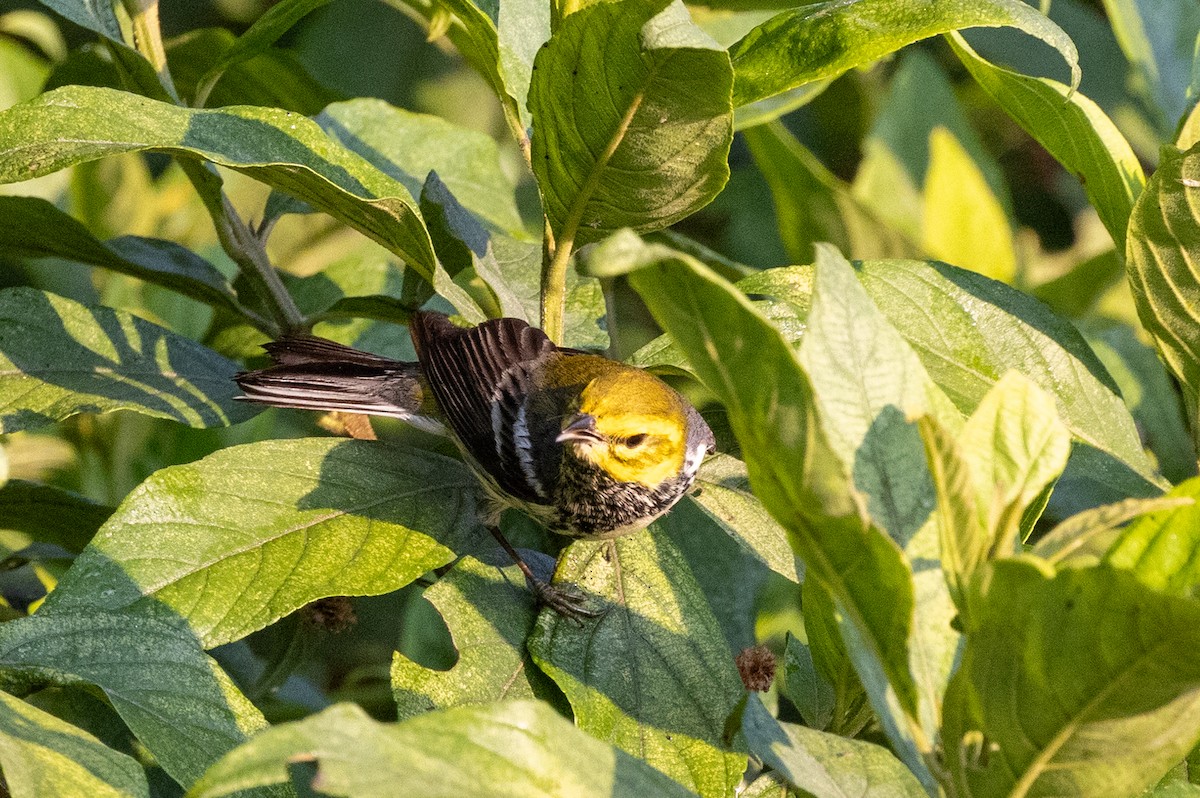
(634, 441)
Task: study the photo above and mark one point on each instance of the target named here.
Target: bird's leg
(567, 602)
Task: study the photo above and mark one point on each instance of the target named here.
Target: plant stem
(147, 38)
(554, 284)
(244, 247)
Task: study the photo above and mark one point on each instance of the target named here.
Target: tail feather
(316, 374)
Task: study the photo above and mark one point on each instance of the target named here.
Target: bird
(587, 446)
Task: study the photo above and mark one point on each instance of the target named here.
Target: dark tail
(313, 373)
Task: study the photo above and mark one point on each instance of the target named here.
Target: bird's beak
(581, 428)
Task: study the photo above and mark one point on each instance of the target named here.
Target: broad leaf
(1159, 39)
(651, 674)
(812, 696)
(724, 495)
(75, 124)
(407, 146)
(513, 750)
(1163, 272)
(59, 358)
(819, 763)
(1093, 532)
(489, 612)
(867, 383)
(295, 521)
(95, 15)
(42, 755)
(1073, 129)
(1080, 683)
(823, 40)
(632, 120)
(177, 701)
(50, 514)
(1163, 548)
(37, 229)
(753, 370)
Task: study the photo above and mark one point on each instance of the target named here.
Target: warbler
(589, 447)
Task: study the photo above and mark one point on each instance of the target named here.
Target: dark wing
(480, 377)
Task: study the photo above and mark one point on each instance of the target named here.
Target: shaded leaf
(823, 40)
(516, 750)
(489, 613)
(296, 520)
(1083, 682)
(50, 514)
(812, 696)
(1073, 129)
(632, 120)
(651, 674)
(820, 763)
(177, 701)
(75, 124)
(42, 755)
(37, 229)
(59, 358)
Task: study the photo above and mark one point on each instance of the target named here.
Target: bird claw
(567, 600)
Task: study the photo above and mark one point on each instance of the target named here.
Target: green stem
(147, 38)
(244, 248)
(554, 285)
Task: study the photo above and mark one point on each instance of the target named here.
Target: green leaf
(823, 40)
(500, 750)
(37, 229)
(851, 706)
(294, 521)
(963, 222)
(813, 205)
(867, 383)
(177, 701)
(407, 146)
(1162, 549)
(42, 755)
(969, 330)
(1083, 682)
(820, 763)
(753, 371)
(275, 22)
(489, 613)
(1159, 39)
(1162, 269)
(1015, 447)
(961, 534)
(1149, 392)
(1073, 129)
(812, 696)
(724, 495)
(59, 358)
(651, 674)
(95, 15)
(1093, 532)
(50, 514)
(75, 124)
(632, 120)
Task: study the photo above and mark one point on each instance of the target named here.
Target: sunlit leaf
(651, 674)
(75, 124)
(42, 755)
(632, 120)
(295, 521)
(509, 750)
(1163, 548)
(1079, 683)
(823, 40)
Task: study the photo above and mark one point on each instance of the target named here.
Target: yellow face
(639, 428)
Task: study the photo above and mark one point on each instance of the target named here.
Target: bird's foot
(567, 600)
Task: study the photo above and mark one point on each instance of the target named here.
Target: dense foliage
(946, 328)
